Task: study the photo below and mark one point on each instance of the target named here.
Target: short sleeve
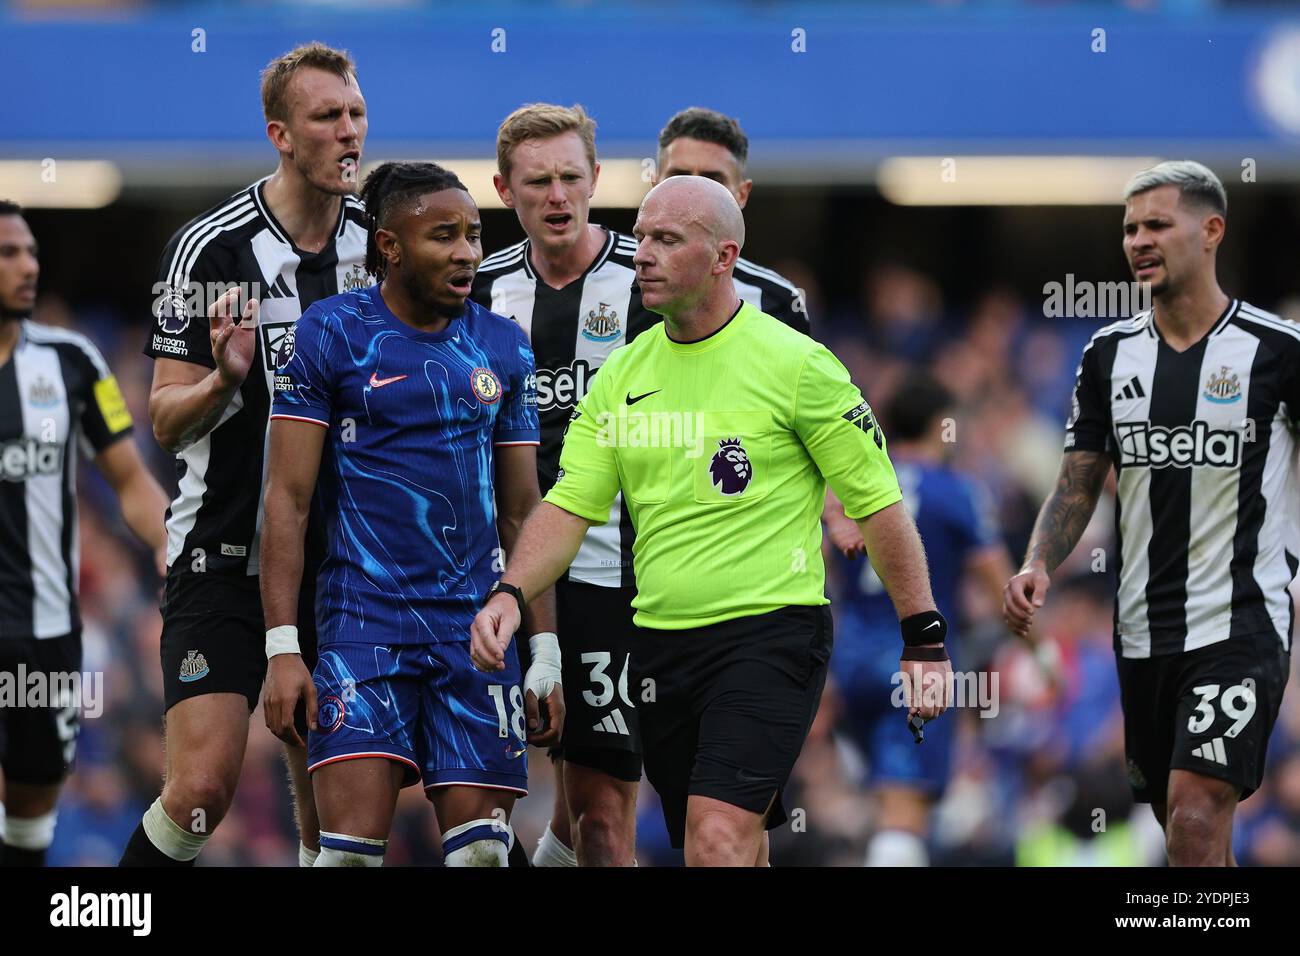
(843, 437)
(303, 378)
(587, 483)
(1088, 428)
(517, 422)
(188, 281)
(104, 416)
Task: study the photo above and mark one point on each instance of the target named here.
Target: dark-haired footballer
(415, 410)
(957, 524)
(703, 142)
(57, 397)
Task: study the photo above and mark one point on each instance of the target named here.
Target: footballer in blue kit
(412, 411)
(960, 537)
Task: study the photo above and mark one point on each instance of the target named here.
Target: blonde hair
(542, 121)
(278, 73)
(1196, 183)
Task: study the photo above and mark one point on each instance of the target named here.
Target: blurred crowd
(1042, 783)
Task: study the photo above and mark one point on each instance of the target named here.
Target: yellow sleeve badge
(112, 406)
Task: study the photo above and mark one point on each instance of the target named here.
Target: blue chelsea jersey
(955, 519)
(406, 477)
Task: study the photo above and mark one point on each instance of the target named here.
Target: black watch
(504, 588)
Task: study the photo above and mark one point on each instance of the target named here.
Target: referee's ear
(728, 253)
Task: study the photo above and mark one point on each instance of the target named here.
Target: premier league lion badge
(730, 467)
(285, 351)
(173, 313)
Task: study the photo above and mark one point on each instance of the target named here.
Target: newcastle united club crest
(601, 326)
(358, 278)
(1223, 388)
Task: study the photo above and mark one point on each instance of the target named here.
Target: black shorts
(214, 636)
(601, 729)
(38, 744)
(1209, 711)
(729, 708)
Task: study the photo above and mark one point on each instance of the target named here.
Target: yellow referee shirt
(722, 449)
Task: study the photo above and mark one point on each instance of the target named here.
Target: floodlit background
(922, 170)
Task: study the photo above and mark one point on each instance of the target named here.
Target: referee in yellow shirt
(722, 427)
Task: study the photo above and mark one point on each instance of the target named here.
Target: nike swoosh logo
(633, 401)
(381, 382)
(930, 625)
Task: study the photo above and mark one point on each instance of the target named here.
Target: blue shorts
(423, 705)
(864, 667)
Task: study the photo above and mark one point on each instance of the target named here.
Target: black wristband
(928, 627)
(501, 587)
(913, 653)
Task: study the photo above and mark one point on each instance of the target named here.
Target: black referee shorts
(1210, 711)
(732, 705)
(38, 744)
(214, 636)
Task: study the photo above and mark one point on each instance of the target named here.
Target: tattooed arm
(1064, 515)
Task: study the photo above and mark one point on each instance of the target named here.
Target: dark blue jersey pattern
(954, 519)
(406, 477)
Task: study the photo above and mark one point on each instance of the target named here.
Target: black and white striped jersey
(57, 397)
(215, 521)
(573, 331)
(1204, 447)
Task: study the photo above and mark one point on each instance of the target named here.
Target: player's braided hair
(391, 185)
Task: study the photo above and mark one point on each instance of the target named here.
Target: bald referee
(721, 427)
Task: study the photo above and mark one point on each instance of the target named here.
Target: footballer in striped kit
(1196, 405)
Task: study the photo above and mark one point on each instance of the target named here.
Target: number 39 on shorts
(1237, 703)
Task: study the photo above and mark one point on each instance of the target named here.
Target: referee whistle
(916, 724)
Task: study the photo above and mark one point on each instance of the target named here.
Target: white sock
(306, 855)
(170, 839)
(477, 843)
(339, 849)
(551, 852)
(331, 857)
(30, 833)
(897, 848)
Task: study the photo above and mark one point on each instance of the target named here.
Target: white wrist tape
(282, 640)
(544, 670)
